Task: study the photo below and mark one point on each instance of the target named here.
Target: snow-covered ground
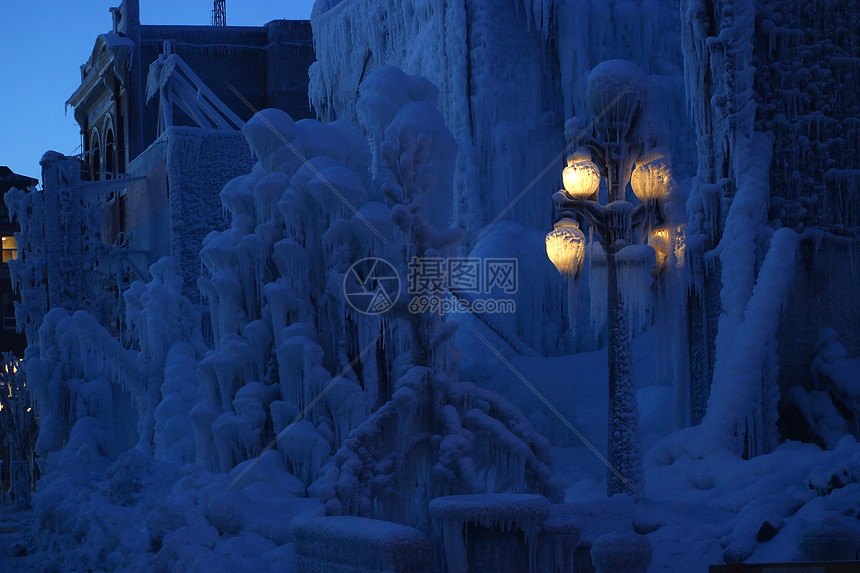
(696, 510)
(137, 514)
(15, 524)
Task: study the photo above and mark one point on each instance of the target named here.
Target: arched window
(95, 156)
(110, 156)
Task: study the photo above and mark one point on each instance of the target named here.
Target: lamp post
(615, 95)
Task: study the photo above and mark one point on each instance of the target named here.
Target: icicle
(597, 286)
(635, 268)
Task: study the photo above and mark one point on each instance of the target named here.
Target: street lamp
(565, 246)
(615, 96)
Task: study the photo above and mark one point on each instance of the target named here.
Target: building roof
(8, 179)
(111, 52)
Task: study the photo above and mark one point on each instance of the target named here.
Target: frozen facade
(18, 425)
(151, 105)
(10, 340)
(778, 149)
(262, 66)
(719, 75)
(242, 413)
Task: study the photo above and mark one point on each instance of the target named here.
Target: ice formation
(464, 49)
(291, 366)
(185, 436)
(437, 436)
(361, 544)
(270, 363)
(455, 514)
(61, 240)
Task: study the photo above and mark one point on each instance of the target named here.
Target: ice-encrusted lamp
(565, 247)
(616, 95)
(659, 240)
(565, 244)
(581, 177)
(650, 179)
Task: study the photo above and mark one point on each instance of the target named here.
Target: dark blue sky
(43, 43)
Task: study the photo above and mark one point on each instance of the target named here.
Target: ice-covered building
(12, 342)
(245, 67)
(10, 339)
(151, 100)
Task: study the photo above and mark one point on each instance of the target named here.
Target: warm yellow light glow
(661, 243)
(581, 178)
(10, 248)
(680, 246)
(650, 179)
(565, 247)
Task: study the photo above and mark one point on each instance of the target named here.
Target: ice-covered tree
(289, 368)
(437, 435)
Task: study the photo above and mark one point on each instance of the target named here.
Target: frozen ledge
(511, 509)
(356, 544)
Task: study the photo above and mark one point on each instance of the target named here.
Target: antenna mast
(219, 13)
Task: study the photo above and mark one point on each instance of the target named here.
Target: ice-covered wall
(460, 48)
(777, 146)
(728, 235)
(509, 74)
(806, 81)
(199, 163)
(63, 263)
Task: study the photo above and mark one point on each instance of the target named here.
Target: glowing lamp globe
(661, 243)
(581, 178)
(565, 247)
(650, 180)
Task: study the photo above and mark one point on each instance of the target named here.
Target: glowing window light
(10, 248)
